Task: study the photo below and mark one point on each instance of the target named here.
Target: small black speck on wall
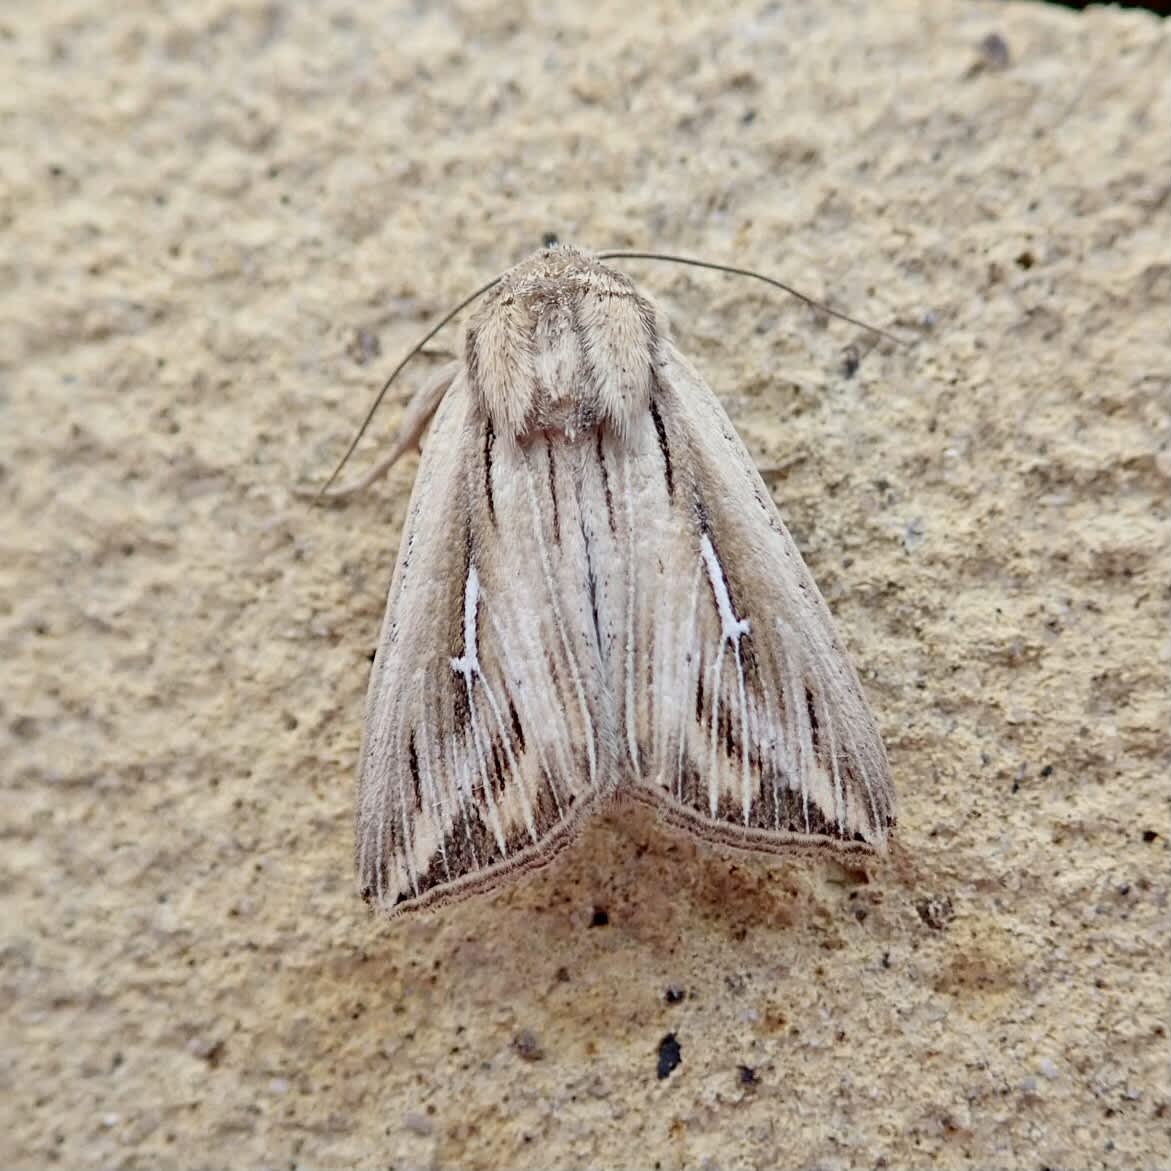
(670, 1055)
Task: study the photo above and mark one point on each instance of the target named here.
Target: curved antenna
(768, 280)
(611, 255)
(395, 373)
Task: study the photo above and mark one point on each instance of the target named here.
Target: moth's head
(563, 343)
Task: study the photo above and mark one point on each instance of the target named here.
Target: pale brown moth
(596, 597)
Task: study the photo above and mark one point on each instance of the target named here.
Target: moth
(595, 598)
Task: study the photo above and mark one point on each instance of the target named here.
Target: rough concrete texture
(222, 224)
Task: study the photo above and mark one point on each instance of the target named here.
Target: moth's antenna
(614, 255)
(395, 373)
(768, 280)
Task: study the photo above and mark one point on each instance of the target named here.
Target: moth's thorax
(563, 343)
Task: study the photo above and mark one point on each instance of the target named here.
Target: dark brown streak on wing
(664, 447)
(517, 730)
(473, 829)
(489, 440)
(606, 484)
(553, 492)
(437, 873)
(820, 824)
(690, 788)
(468, 851)
(413, 764)
(498, 772)
(592, 591)
(814, 726)
(733, 749)
(850, 781)
(766, 812)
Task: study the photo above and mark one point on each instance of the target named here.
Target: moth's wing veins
(486, 737)
(745, 719)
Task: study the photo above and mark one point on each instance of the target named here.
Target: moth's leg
(770, 473)
(414, 422)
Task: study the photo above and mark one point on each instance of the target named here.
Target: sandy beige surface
(221, 225)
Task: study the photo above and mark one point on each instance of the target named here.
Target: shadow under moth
(596, 597)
